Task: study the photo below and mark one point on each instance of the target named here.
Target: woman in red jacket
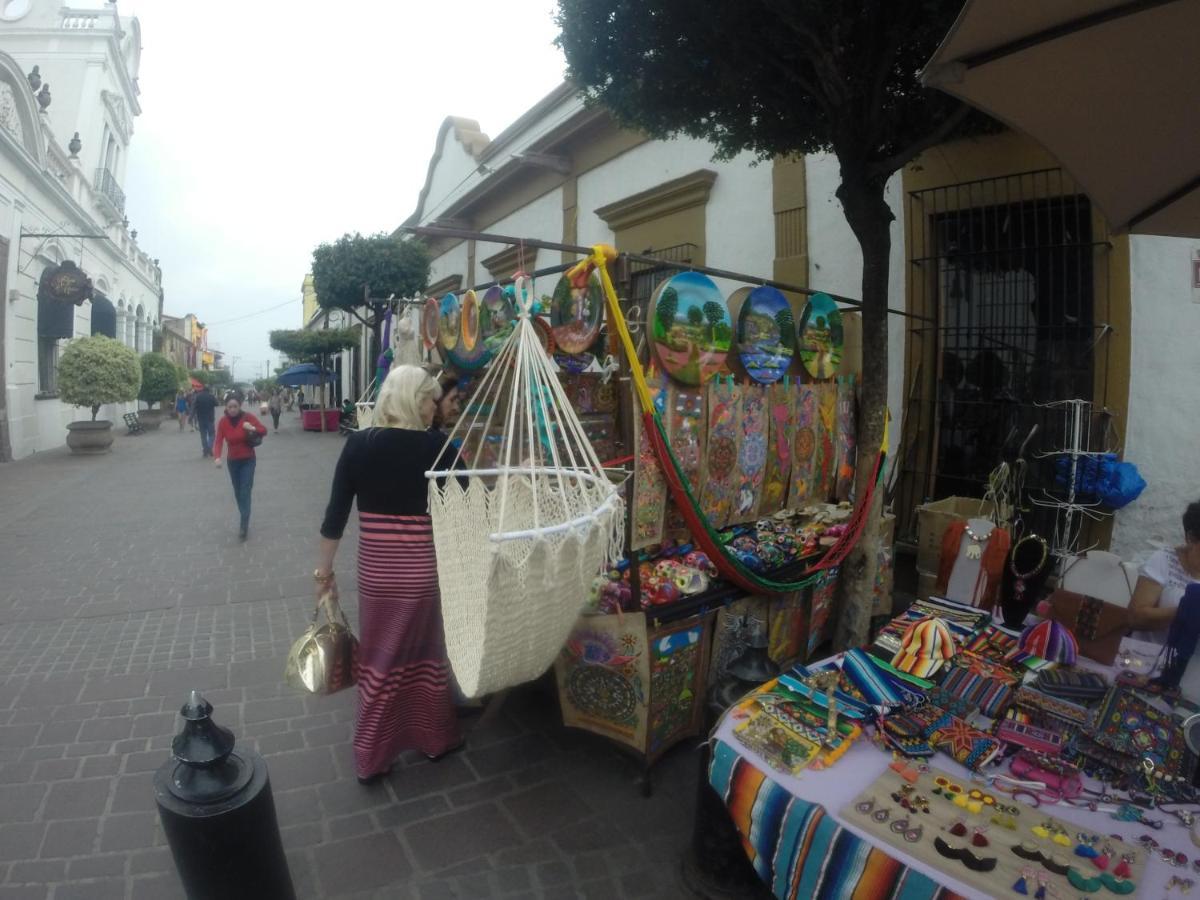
(235, 429)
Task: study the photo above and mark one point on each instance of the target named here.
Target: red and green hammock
(706, 537)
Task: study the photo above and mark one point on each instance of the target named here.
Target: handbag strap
(333, 610)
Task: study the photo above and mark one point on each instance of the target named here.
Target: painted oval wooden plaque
(576, 310)
(820, 340)
(449, 322)
(766, 334)
(497, 318)
(690, 328)
(429, 323)
(470, 352)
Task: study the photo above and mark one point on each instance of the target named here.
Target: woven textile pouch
(990, 695)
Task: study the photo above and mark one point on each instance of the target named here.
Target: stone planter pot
(150, 418)
(90, 438)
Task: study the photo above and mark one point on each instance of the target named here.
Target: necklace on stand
(1022, 577)
(975, 548)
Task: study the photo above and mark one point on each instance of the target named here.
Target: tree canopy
(160, 378)
(212, 377)
(383, 264)
(97, 370)
(304, 346)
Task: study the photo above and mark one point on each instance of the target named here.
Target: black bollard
(218, 813)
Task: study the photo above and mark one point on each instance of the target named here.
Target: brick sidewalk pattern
(124, 587)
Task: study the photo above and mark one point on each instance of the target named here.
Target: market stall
(978, 767)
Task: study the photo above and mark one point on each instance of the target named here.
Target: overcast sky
(269, 127)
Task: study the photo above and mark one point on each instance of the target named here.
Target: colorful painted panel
(788, 627)
(752, 454)
(720, 469)
(690, 327)
(781, 414)
(449, 321)
(430, 317)
(820, 339)
(678, 661)
(766, 334)
(649, 486)
(470, 352)
(825, 468)
(847, 437)
(497, 318)
(603, 676)
(598, 429)
(821, 623)
(803, 447)
(576, 310)
(686, 435)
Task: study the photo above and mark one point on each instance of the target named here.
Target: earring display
(993, 846)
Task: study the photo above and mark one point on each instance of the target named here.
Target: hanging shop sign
(766, 334)
(64, 283)
(821, 337)
(691, 328)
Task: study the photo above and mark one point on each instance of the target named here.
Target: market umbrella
(1107, 86)
(305, 373)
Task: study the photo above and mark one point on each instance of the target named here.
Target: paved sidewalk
(124, 586)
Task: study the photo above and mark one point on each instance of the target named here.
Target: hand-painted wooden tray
(576, 310)
(820, 339)
(804, 444)
(497, 318)
(430, 316)
(470, 352)
(449, 321)
(690, 328)
(766, 334)
(649, 484)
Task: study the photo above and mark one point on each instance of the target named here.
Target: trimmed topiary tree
(97, 370)
(160, 378)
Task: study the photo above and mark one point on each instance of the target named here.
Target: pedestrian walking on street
(181, 408)
(275, 407)
(405, 693)
(242, 431)
(204, 409)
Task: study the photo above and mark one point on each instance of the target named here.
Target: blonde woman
(405, 693)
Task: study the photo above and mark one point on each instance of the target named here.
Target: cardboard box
(932, 521)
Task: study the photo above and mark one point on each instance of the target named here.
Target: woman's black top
(384, 468)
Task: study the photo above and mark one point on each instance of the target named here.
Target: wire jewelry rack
(1072, 512)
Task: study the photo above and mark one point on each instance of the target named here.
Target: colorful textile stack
(799, 850)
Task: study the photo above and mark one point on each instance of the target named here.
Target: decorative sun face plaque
(690, 328)
(449, 322)
(766, 334)
(497, 318)
(430, 317)
(820, 340)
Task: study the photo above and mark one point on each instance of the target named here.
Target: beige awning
(1110, 87)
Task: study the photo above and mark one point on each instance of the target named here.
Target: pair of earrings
(1029, 877)
(1005, 821)
(910, 834)
(978, 838)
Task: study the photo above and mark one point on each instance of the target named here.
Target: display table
(835, 787)
(310, 419)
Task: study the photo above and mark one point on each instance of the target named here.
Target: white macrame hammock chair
(518, 545)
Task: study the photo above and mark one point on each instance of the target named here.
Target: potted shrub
(94, 371)
(159, 380)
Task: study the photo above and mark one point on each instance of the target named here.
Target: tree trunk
(870, 218)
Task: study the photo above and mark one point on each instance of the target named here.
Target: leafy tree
(356, 272)
(668, 305)
(306, 346)
(265, 385)
(97, 370)
(787, 326)
(695, 316)
(213, 377)
(182, 376)
(715, 313)
(779, 79)
(159, 378)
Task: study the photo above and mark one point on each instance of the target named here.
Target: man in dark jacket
(204, 406)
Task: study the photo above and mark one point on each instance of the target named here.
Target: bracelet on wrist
(323, 579)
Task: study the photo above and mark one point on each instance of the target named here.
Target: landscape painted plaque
(691, 328)
(576, 310)
(497, 318)
(449, 322)
(470, 352)
(820, 340)
(766, 335)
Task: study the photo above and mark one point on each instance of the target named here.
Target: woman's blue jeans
(241, 473)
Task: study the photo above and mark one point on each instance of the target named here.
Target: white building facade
(68, 99)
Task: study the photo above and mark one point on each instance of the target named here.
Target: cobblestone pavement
(124, 586)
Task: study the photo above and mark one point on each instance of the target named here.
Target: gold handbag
(322, 661)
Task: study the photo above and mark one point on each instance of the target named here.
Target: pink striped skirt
(405, 693)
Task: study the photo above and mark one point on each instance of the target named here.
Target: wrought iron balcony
(106, 185)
